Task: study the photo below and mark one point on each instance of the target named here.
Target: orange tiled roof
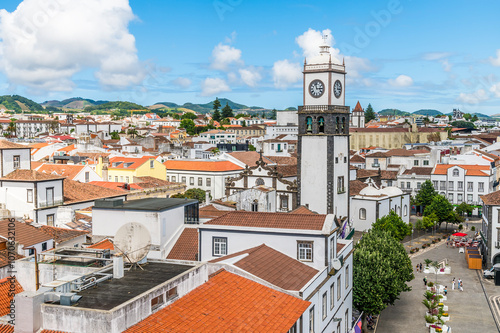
(273, 266)
(5, 144)
(5, 298)
(270, 220)
(470, 170)
(136, 162)
(66, 170)
(68, 148)
(227, 303)
(26, 235)
(105, 244)
(61, 235)
(29, 175)
(81, 192)
(186, 246)
(215, 165)
(302, 210)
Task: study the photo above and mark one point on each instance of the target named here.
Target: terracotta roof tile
(186, 246)
(64, 170)
(377, 154)
(5, 296)
(355, 186)
(357, 159)
(389, 175)
(214, 165)
(210, 211)
(364, 173)
(129, 163)
(273, 266)
(4, 257)
(29, 175)
(270, 220)
(5, 144)
(406, 152)
(26, 235)
(302, 210)
(150, 182)
(283, 160)
(287, 170)
(105, 244)
(470, 170)
(61, 235)
(420, 171)
(80, 192)
(227, 303)
(250, 158)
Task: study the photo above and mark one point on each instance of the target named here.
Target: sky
(401, 54)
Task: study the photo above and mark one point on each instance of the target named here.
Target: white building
(490, 228)
(79, 172)
(372, 203)
(13, 156)
(358, 117)
(311, 239)
(217, 136)
(412, 179)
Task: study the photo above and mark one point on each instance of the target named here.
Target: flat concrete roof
(151, 204)
(113, 292)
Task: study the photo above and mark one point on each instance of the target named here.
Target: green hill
(208, 107)
(19, 104)
(73, 103)
(393, 112)
(428, 112)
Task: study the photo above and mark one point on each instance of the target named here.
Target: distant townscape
(224, 217)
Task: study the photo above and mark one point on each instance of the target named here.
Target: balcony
(54, 203)
(376, 165)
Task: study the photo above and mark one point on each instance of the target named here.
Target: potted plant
(429, 320)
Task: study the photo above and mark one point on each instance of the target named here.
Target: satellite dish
(133, 240)
(336, 264)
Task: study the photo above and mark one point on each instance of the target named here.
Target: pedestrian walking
(425, 281)
(417, 268)
(445, 290)
(421, 268)
(453, 284)
(461, 286)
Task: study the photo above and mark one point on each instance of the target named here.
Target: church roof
(358, 107)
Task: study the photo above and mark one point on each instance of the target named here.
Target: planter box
(445, 319)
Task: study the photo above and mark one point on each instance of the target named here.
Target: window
(415, 162)
(305, 251)
(347, 277)
(121, 179)
(408, 185)
(338, 327)
(362, 214)
(339, 288)
(255, 206)
(332, 295)
(191, 214)
(450, 185)
(200, 181)
(44, 246)
(480, 187)
(426, 162)
(171, 293)
(460, 198)
(309, 122)
(219, 246)
(151, 163)
(110, 178)
(17, 161)
(284, 202)
(460, 185)
(340, 184)
(450, 197)
(29, 195)
(173, 178)
(419, 185)
(311, 320)
(336, 160)
(469, 198)
(442, 185)
(183, 179)
(168, 178)
(156, 302)
(116, 179)
(191, 180)
(346, 320)
(435, 184)
(87, 176)
(127, 179)
(455, 172)
(49, 191)
(402, 184)
(470, 186)
(208, 181)
(31, 252)
(321, 125)
(272, 146)
(323, 306)
(405, 210)
(50, 220)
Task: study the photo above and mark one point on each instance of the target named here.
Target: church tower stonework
(323, 141)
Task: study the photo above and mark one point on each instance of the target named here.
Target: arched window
(321, 125)
(362, 214)
(259, 182)
(309, 123)
(405, 210)
(255, 206)
(343, 125)
(337, 125)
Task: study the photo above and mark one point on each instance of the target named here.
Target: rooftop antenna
(133, 240)
(325, 47)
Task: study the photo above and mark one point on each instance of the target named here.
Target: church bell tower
(323, 143)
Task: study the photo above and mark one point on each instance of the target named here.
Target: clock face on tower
(337, 89)
(316, 88)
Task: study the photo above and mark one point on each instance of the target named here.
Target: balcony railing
(46, 204)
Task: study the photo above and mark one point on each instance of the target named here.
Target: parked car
(490, 273)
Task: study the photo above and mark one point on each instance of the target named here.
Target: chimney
(117, 267)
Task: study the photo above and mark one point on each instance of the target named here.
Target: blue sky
(399, 54)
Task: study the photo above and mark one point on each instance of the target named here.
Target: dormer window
(455, 172)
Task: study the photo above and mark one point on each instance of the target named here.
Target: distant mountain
(207, 107)
(482, 115)
(19, 104)
(73, 103)
(393, 112)
(428, 112)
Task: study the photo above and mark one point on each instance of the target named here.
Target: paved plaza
(469, 310)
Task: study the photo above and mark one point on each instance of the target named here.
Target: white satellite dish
(336, 264)
(133, 240)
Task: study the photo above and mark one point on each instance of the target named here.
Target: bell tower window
(343, 125)
(309, 123)
(337, 125)
(321, 125)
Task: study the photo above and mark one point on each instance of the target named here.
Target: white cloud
(44, 43)
(496, 61)
(446, 65)
(182, 82)
(496, 89)
(435, 56)
(401, 81)
(213, 86)
(250, 76)
(225, 55)
(474, 98)
(286, 73)
(311, 40)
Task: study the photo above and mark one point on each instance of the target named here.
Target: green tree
(369, 114)
(273, 114)
(429, 221)
(381, 269)
(11, 128)
(188, 125)
(441, 207)
(426, 194)
(463, 124)
(115, 135)
(227, 112)
(216, 116)
(474, 118)
(189, 115)
(193, 193)
(252, 148)
(467, 116)
(464, 208)
(244, 123)
(394, 224)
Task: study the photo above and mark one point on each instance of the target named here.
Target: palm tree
(12, 128)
